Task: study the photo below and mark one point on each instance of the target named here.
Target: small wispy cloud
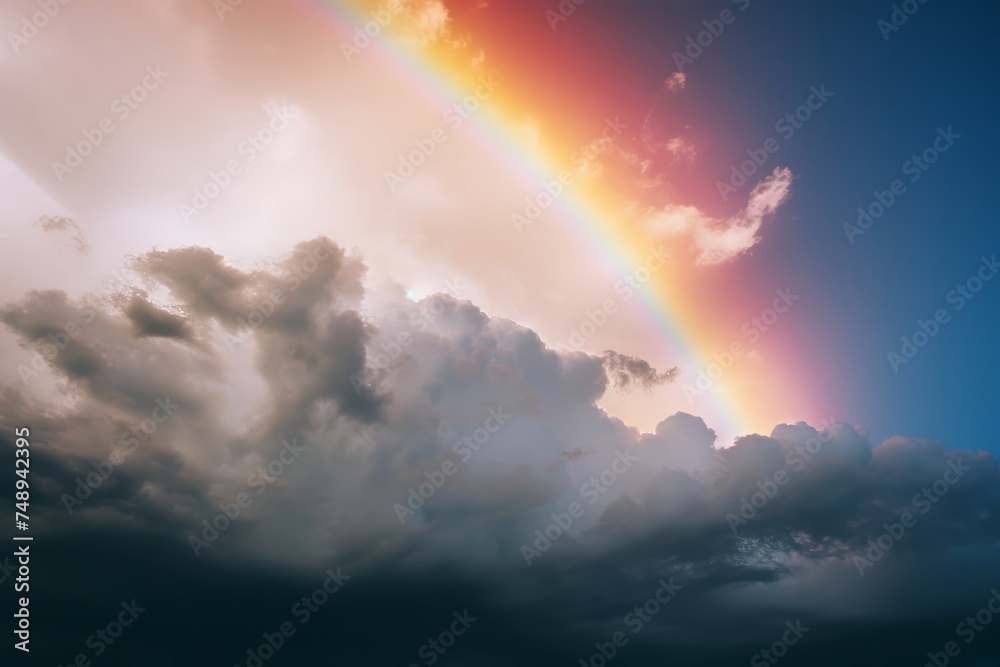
(675, 82)
(625, 372)
(58, 224)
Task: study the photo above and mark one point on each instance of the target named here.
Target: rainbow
(662, 308)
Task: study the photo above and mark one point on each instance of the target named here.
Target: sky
(546, 314)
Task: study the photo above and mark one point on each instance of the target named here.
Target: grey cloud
(148, 320)
(625, 371)
(245, 387)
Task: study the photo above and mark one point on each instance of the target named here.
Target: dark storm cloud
(149, 320)
(487, 437)
(200, 280)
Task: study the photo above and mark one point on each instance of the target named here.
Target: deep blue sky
(890, 97)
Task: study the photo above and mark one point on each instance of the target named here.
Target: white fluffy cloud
(717, 240)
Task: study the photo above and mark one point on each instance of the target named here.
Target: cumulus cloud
(255, 358)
